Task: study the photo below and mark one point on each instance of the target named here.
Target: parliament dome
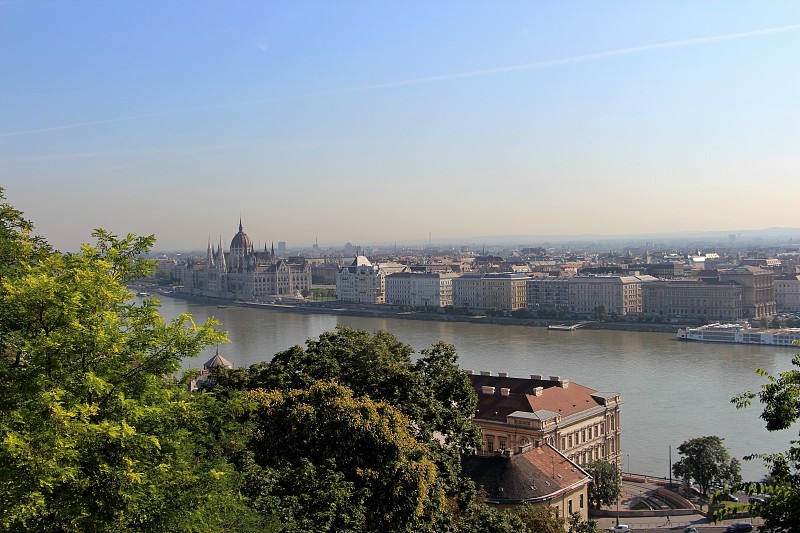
(241, 241)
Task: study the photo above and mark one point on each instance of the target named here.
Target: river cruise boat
(741, 334)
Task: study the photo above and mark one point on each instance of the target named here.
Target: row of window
(579, 437)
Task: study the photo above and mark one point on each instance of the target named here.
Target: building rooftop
(536, 474)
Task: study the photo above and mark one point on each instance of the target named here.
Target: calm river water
(672, 391)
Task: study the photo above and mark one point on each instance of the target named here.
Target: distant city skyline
(375, 122)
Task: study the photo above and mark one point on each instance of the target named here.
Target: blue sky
(385, 121)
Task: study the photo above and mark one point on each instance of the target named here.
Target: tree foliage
(92, 435)
(707, 461)
(432, 392)
(325, 437)
(606, 485)
(780, 397)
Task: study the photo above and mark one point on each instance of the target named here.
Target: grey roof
(216, 361)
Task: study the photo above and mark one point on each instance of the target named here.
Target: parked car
(729, 498)
(757, 499)
(739, 527)
(620, 528)
(690, 530)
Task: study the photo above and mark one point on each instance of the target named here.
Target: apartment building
(467, 290)
(361, 282)
(618, 294)
(581, 423)
(787, 293)
(758, 297)
(711, 300)
(548, 292)
(507, 291)
(419, 290)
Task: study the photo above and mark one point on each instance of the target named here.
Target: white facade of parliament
(244, 274)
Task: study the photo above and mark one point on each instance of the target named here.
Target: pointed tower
(210, 254)
(221, 257)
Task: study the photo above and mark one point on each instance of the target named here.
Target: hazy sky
(369, 121)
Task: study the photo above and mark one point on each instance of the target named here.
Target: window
(569, 506)
(581, 501)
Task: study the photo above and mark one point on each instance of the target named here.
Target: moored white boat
(741, 334)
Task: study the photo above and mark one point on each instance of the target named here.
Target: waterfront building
(621, 295)
(361, 282)
(787, 293)
(530, 475)
(467, 290)
(507, 291)
(581, 423)
(758, 297)
(419, 290)
(548, 292)
(712, 300)
(244, 274)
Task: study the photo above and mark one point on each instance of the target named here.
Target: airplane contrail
(444, 77)
(583, 58)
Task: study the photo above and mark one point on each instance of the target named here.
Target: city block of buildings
(242, 273)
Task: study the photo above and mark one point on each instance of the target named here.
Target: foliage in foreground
(780, 397)
(92, 436)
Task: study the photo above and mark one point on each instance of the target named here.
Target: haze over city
(380, 122)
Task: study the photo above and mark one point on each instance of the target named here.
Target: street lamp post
(629, 463)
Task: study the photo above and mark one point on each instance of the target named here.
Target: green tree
(707, 461)
(606, 485)
(577, 525)
(780, 397)
(432, 392)
(343, 463)
(541, 519)
(93, 437)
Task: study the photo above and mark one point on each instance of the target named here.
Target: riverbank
(383, 311)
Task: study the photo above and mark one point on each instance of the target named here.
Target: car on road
(739, 527)
(690, 530)
(620, 528)
(756, 499)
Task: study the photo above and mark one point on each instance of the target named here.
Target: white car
(620, 528)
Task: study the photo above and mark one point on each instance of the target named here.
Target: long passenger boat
(741, 334)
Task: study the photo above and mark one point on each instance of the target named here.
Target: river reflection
(672, 390)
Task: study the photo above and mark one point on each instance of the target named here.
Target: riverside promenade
(669, 511)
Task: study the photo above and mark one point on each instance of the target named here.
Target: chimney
(504, 391)
(486, 389)
(537, 377)
(538, 391)
(468, 372)
(486, 372)
(564, 383)
(555, 378)
(502, 374)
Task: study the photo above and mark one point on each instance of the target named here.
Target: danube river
(672, 390)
